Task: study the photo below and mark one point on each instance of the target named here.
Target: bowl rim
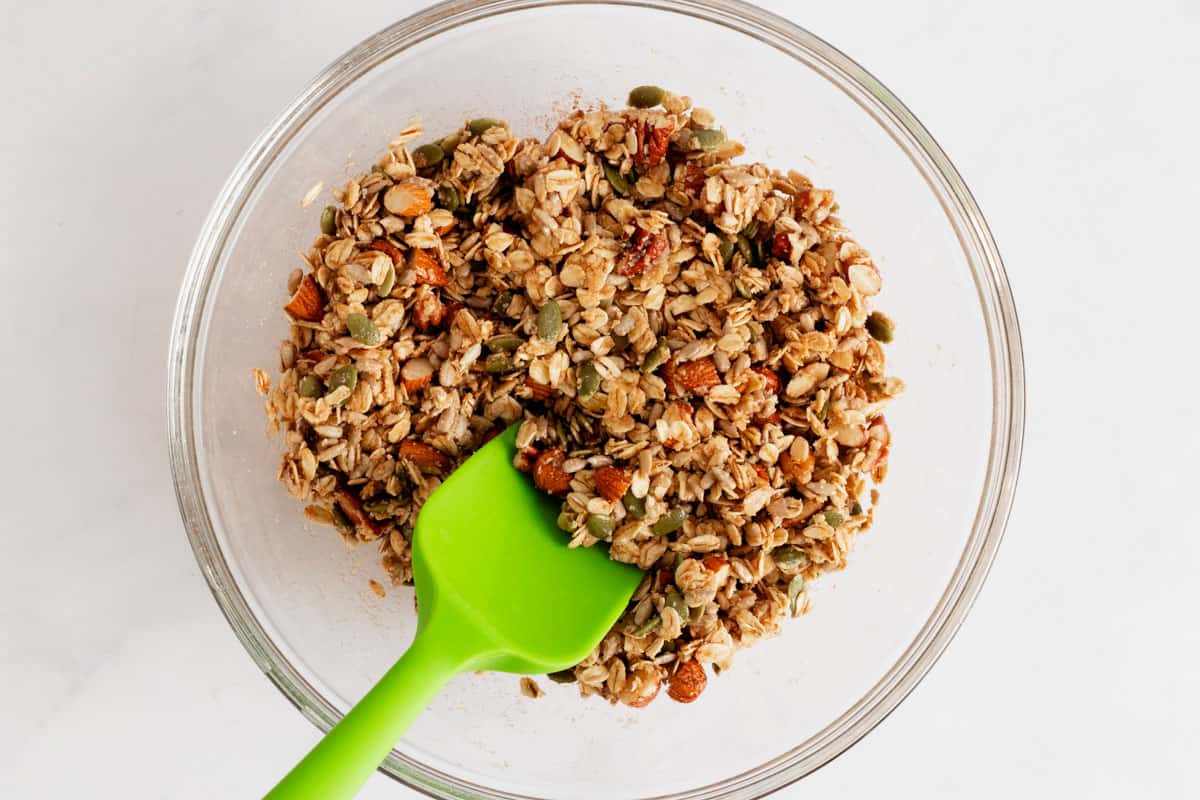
(962, 212)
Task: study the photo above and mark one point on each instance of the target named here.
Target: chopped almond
(539, 391)
(308, 303)
(428, 310)
(797, 472)
(548, 474)
(427, 269)
(416, 374)
(352, 507)
(611, 482)
(408, 199)
(426, 458)
(688, 682)
(391, 250)
(696, 376)
(561, 145)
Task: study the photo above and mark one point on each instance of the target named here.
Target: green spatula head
(497, 589)
(491, 565)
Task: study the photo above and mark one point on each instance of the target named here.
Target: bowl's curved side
(961, 210)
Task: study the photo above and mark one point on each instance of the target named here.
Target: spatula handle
(341, 762)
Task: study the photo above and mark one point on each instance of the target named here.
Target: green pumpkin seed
(566, 522)
(379, 509)
(498, 363)
(549, 321)
(389, 281)
(788, 558)
(449, 197)
(479, 126)
(634, 506)
(675, 600)
(856, 509)
(656, 358)
(695, 614)
(726, 250)
(742, 290)
(620, 185)
(649, 625)
(751, 230)
(646, 96)
(880, 327)
(795, 587)
(345, 375)
(669, 522)
(340, 520)
(328, 220)
(363, 330)
(745, 246)
(562, 676)
(503, 300)
(708, 139)
(428, 155)
(601, 526)
(450, 143)
(834, 518)
(311, 386)
(504, 343)
(620, 342)
(589, 380)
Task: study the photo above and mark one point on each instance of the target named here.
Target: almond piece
(425, 457)
(797, 472)
(865, 279)
(427, 269)
(308, 303)
(548, 473)
(772, 379)
(561, 145)
(539, 391)
(696, 376)
(391, 250)
(612, 482)
(352, 507)
(851, 435)
(655, 683)
(879, 440)
(688, 682)
(408, 199)
(428, 310)
(416, 374)
(643, 250)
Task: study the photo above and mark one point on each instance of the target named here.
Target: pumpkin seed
(620, 342)
(795, 587)
(726, 250)
(634, 506)
(363, 330)
(449, 197)
(502, 303)
(562, 676)
(708, 139)
(856, 509)
(649, 625)
(565, 522)
(450, 143)
(742, 290)
(389, 281)
(589, 380)
(345, 375)
(745, 246)
(428, 155)
(834, 518)
(695, 614)
(656, 357)
(669, 522)
(675, 600)
(788, 558)
(504, 343)
(378, 508)
(498, 363)
(549, 321)
(620, 185)
(751, 229)
(479, 126)
(601, 526)
(646, 96)
(310, 386)
(340, 520)
(328, 220)
(880, 327)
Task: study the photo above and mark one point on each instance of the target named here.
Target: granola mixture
(688, 341)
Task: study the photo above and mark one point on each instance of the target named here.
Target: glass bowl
(298, 598)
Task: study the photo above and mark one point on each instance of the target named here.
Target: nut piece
(308, 303)
(548, 474)
(561, 145)
(384, 246)
(798, 472)
(428, 311)
(352, 507)
(772, 379)
(643, 250)
(416, 374)
(696, 376)
(688, 682)
(781, 247)
(425, 457)
(408, 199)
(539, 391)
(611, 482)
(652, 143)
(427, 270)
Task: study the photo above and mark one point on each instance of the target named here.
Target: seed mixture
(688, 342)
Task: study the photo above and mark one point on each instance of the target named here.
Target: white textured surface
(1075, 127)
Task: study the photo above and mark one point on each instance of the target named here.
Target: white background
(1075, 124)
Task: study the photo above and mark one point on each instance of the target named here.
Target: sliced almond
(408, 199)
(561, 145)
(416, 374)
(308, 303)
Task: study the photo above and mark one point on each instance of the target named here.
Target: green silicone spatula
(497, 589)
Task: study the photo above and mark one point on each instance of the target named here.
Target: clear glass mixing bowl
(298, 599)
